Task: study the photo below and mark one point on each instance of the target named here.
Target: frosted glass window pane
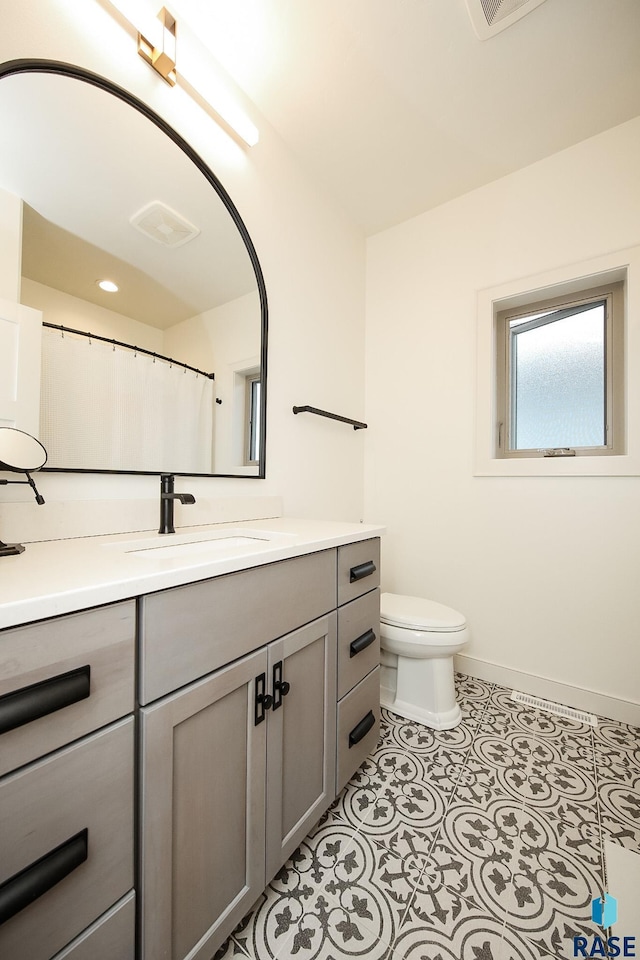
(558, 382)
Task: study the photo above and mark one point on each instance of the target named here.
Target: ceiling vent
(491, 16)
(163, 225)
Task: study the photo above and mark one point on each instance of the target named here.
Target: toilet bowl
(418, 639)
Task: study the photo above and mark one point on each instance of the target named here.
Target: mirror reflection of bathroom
(146, 258)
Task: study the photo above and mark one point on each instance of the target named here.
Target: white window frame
(612, 296)
(622, 267)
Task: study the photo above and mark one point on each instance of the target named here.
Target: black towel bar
(356, 424)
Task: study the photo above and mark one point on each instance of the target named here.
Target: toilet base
(428, 687)
(436, 721)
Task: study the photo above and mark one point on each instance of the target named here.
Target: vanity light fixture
(157, 46)
(108, 286)
(162, 58)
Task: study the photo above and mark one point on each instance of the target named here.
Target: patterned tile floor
(480, 843)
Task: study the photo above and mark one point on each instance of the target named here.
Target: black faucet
(167, 497)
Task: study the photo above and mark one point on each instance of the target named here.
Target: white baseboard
(625, 711)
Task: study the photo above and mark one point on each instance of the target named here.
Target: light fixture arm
(162, 58)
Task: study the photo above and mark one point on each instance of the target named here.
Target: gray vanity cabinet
(236, 767)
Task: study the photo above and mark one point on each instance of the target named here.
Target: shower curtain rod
(128, 346)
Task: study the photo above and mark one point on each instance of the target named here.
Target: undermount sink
(204, 545)
(219, 547)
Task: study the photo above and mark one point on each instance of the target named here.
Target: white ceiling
(396, 106)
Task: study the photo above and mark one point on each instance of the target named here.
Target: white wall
(225, 339)
(545, 569)
(312, 260)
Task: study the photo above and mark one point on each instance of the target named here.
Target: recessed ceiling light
(108, 286)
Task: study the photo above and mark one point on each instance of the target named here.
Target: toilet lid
(419, 614)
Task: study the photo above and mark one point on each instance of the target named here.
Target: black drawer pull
(39, 699)
(361, 571)
(25, 887)
(361, 643)
(361, 729)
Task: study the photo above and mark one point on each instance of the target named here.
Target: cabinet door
(202, 798)
(300, 736)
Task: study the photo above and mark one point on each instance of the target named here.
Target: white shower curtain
(110, 408)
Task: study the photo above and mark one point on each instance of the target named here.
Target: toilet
(418, 639)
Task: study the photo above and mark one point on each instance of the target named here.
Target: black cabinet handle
(361, 729)
(361, 571)
(263, 700)
(23, 888)
(30, 703)
(280, 687)
(361, 643)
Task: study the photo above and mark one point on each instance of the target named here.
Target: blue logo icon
(604, 910)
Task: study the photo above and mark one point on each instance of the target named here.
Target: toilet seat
(419, 615)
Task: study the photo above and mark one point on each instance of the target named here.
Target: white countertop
(61, 576)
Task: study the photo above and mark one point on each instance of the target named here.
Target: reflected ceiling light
(108, 286)
(157, 46)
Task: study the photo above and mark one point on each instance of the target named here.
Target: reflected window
(253, 424)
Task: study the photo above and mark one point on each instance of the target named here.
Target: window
(559, 370)
(252, 422)
(497, 454)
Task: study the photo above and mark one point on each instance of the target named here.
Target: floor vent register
(557, 708)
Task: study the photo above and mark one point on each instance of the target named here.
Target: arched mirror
(168, 373)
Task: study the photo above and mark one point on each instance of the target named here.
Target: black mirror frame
(14, 67)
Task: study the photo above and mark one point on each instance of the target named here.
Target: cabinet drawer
(358, 569)
(358, 640)
(187, 632)
(357, 734)
(60, 679)
(66, 842)
(112, 937)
